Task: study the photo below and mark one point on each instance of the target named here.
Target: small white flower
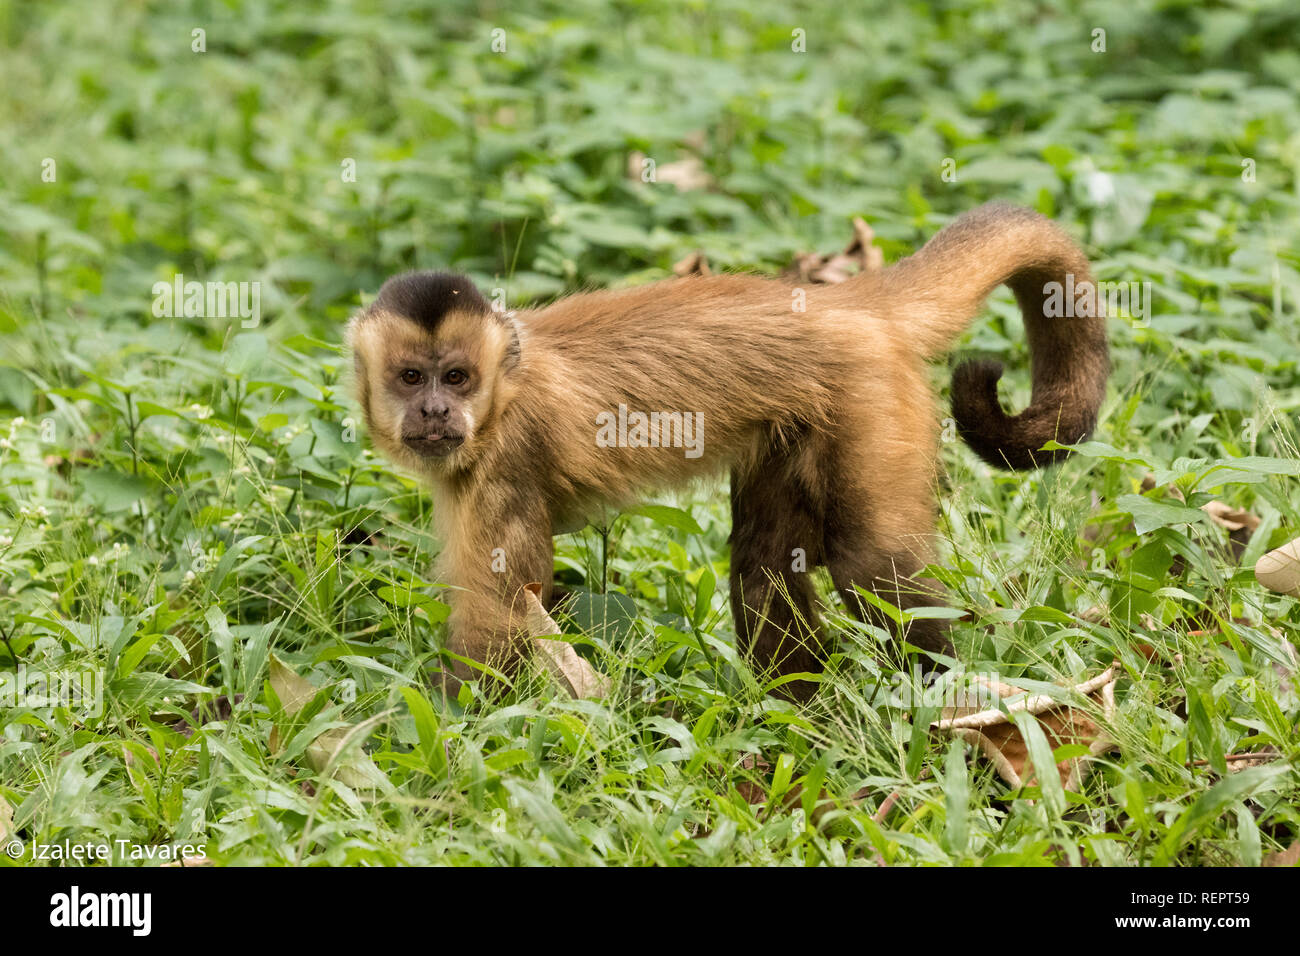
(6, 444)
(5, 540)
(18, 422)
(42, 511)
(237, 517)
(1101, 187)
(190, 577)
(93, 561)
(201, 411)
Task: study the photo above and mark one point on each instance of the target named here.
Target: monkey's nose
(431, 410)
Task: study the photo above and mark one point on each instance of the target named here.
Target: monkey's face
(429, 376)
(436, 394)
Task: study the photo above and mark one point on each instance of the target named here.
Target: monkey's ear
(514, 347)
(351, 332)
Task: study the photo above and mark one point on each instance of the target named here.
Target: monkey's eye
(412, 376)
(456, 377)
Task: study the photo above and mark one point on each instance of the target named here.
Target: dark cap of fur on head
(426, 297)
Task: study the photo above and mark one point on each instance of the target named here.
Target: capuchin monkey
(524, 423)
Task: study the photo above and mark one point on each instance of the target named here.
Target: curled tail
(938, 291)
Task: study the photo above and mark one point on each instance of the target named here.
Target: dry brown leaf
(1288, 857)
(858, 256)
(294, 691)
(686, 174)
(1279, 570)
(355, 769)
(862, 247)
(1234, 519)
(635, 164)
(696, 139)
(567, 666)
(1239, 523)
(999, 740)
(693, 265)
(1095, 614)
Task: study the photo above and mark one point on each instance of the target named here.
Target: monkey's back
(730, 349)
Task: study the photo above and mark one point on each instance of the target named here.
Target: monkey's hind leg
(880, 522)
(776, 539)
(891, 575)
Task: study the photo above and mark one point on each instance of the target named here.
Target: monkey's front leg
(498, 543)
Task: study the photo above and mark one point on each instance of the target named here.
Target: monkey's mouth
(434, 444)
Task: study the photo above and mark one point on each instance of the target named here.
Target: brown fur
(824, 420)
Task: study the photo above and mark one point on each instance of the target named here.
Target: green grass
(182, 498)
